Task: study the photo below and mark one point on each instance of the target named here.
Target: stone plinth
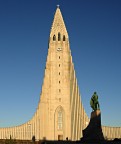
(93, 132)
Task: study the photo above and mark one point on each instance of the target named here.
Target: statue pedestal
(93, 132)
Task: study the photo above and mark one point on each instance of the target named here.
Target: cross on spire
(58, 6)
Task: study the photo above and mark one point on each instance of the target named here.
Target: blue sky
(94, 28)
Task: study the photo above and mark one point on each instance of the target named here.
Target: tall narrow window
(59, 36)
(59, 73)
(59, 57)
(60, 120)
(54, 38)
(64, 38)
(59, 65)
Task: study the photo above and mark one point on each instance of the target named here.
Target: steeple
(58, 25)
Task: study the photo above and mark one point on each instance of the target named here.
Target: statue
(94, 102)
(93, 131)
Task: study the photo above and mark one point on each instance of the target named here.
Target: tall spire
(58, 24)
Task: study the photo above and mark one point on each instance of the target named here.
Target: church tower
(55, 97)
(60, 97)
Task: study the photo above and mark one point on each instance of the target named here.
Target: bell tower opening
(59, 36)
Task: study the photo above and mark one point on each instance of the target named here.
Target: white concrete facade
(60, 113)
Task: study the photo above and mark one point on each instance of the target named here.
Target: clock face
(59, 49)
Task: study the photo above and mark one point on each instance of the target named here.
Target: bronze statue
(94, 102)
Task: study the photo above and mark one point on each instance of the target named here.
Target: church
(60, 114)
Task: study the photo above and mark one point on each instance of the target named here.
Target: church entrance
(60, 137)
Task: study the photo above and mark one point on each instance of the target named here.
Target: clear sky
(94, 28)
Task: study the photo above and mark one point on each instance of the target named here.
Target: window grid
(60, 120)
